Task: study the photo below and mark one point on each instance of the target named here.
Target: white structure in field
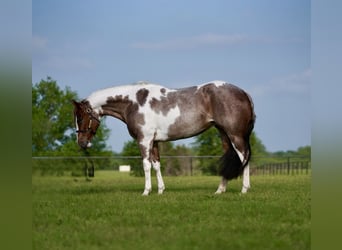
(125, 168)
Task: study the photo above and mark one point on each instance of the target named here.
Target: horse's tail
(231, 166)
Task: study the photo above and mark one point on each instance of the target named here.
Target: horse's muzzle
(85, 144)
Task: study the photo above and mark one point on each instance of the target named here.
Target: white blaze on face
(76, 125)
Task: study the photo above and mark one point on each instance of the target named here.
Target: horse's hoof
(146, 192)
(220, 191)
(161, 190)
(244, 190)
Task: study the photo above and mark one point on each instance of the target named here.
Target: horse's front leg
(147, 169)
(145, 146)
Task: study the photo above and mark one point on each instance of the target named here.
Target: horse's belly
(174, 125)
(181, 132)
(185, 128)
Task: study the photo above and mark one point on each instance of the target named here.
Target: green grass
(110, 213)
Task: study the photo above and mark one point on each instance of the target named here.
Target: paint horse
(155, 113)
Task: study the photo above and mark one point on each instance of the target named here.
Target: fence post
(288, 165)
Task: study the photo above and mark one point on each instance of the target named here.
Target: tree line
(53, 133)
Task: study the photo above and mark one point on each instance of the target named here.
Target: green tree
(304, 151)
(259, 151)
(171, 162)
(258, 148)
(176, 164)
(131, 149)
(300, 155)
(53, 125)
(208, 143)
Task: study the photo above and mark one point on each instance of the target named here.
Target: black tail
(231, 166)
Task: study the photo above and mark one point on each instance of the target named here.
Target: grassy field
(110, 213)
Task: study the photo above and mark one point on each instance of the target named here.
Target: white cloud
(294, 84)
(191, 42)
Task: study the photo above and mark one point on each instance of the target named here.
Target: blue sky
(261, 46)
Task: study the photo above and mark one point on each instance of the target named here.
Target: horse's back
(230, 106)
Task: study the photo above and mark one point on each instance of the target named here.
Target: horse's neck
(112, 101)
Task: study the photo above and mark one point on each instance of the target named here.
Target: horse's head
(86, 121)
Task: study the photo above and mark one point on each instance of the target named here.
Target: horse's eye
(88, 110)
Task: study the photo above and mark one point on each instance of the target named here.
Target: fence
(282, 168)
(171, 165)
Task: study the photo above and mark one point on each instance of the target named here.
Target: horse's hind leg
(242, 148)
(222, 186)
(225, 144)
(156, 166)
(245, 180)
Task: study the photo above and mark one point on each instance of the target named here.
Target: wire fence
(171, 165)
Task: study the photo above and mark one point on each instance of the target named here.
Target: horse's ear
(76, 104)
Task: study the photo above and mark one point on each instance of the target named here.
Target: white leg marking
(148, 184)
(245, 175)
(222, 187)
(242, 158)
(76, 124)
(245, 180)
(161, 186)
